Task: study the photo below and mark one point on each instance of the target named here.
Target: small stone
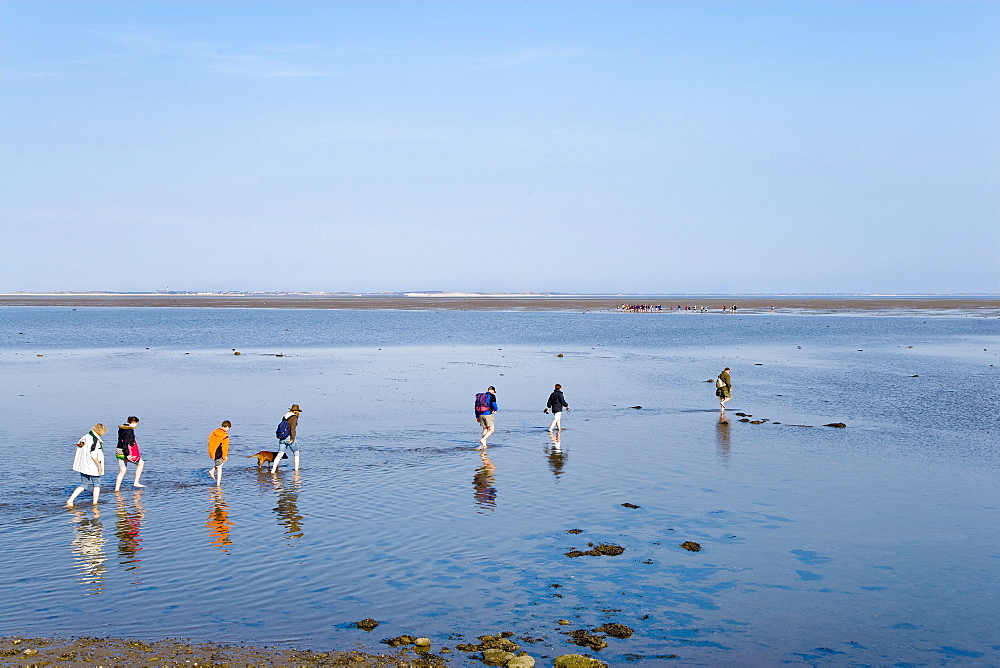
(564, 622)
(422, 642)
(691, 546)
(237, 353)
(577, 661)
(630, 505)
(559, 355)
(400, 640)
(30, 652)
(615, 630)
(638, 408)
(839, 425)
(497, 657)
(523, 661)
(585, 638)
(574, 530)
(366, 624)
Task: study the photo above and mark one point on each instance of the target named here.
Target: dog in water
(266, 456)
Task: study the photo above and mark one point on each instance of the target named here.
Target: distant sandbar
(982, 306)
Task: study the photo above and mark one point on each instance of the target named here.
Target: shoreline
(984, 306)
(108, 651)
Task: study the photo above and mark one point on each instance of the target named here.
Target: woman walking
(128, 451)
(89, 462)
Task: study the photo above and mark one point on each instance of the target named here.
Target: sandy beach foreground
(124, 652)
(976, 305)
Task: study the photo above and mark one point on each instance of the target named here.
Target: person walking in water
(89, 462)
(128, 451)
(556, 404)
(286, 437)
(218, 450)
(486, 406)
(724, 388)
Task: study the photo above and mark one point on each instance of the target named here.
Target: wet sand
(868, 305)
(21, 651)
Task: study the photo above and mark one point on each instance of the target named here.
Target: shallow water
(875, 544)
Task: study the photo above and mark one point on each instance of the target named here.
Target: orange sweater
(218, 437)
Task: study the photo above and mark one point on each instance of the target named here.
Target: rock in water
(691, 546)
(839, 425)
(577, 661)
(615, 630)
(496, 657)
(366, 624)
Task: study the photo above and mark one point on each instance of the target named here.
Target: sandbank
(983, 306)
(16, 650)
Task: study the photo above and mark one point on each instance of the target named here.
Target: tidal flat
(876, 543)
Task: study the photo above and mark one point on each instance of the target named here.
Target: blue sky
(585, 147)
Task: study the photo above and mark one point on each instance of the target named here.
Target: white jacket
(92, 449)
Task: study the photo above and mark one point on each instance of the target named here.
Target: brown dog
(265, 456)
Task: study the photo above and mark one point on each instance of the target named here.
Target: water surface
(874, 544)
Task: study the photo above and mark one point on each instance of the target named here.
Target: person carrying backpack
(486, 406)
(89, 462)
(724, 388)
(286, 437)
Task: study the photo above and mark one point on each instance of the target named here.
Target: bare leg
(72, 497)
(97, 493)
(138, 472)
(121, 475)
(296, 461)
(218, 475)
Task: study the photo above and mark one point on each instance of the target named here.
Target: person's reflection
(555, 454)
(128, 526)
(722, 438)
(218, 523)
(288, 506)
(88, 550)
(484, 480)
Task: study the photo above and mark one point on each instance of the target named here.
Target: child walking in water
(124, 452)
(89, 462)
(218, 450)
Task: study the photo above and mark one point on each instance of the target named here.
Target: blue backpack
(483, 401)
(284, 429)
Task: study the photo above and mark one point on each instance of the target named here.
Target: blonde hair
(99, 429)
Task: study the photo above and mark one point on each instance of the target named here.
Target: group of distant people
(658, 308)
(89, 459)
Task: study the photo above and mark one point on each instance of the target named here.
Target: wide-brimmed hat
(295, 408)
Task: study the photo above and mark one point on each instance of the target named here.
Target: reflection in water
(556, 455)
(128, 526)
(288, 505)
(722, 438)
(485, 494)
(88, 550)
(218, 523)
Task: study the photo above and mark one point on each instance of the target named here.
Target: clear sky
(583, 147)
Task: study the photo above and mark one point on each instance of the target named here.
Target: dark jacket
(126, 437)
(557, 401)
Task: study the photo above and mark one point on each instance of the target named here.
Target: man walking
(556, 403)
(286, 437)
(724, 388)
(486, 406)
